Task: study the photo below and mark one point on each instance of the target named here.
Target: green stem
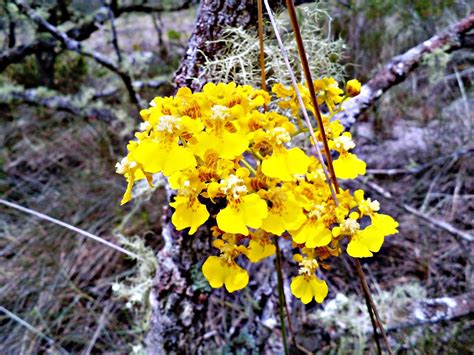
(256, 154)
(248, 166)
(281, 298)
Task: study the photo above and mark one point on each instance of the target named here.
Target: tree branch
(401, 66)
(82, 31)
(52, 100)
(76, 46)
(436, 310)
(114, 34)
(79, 33)
(17, 54)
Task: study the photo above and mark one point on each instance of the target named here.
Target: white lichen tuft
(238, 61)
(347, 315)
(135, 290)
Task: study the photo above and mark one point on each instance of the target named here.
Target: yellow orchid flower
(219, 272)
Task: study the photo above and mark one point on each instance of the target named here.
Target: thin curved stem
(309, 82)
(281, 296)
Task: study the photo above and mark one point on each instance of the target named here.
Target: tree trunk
(213, 17)
(179, 308)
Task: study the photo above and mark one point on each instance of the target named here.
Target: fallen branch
(36, 97)
(435, 310)
(423, 216)
(401, 66)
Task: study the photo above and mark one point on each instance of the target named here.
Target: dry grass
(56, 281)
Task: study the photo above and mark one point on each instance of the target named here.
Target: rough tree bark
(213, 17)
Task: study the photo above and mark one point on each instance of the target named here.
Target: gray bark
(179, 310)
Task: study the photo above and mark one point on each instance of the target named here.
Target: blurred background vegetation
(65, 121)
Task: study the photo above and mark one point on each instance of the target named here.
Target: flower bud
(353, 87)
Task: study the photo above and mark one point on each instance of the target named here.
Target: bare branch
(149, 8)
(83, 31)
(436, 310)
(34, 97)
(11, 27)
(114, 34)
(401, 66)
(76, 46)
(79, 33)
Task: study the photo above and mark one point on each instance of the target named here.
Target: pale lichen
(238, 60)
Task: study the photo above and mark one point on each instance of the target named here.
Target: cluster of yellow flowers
(233, 167)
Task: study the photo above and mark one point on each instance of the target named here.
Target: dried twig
(101, 324)
(32, 329)
(70, 227)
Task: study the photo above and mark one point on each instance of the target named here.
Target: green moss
(71, 72)
(24, 73)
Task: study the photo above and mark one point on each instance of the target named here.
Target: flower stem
(281, 296)
(248, 166)
(371, 303)
(309, 81)
(262, 50)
